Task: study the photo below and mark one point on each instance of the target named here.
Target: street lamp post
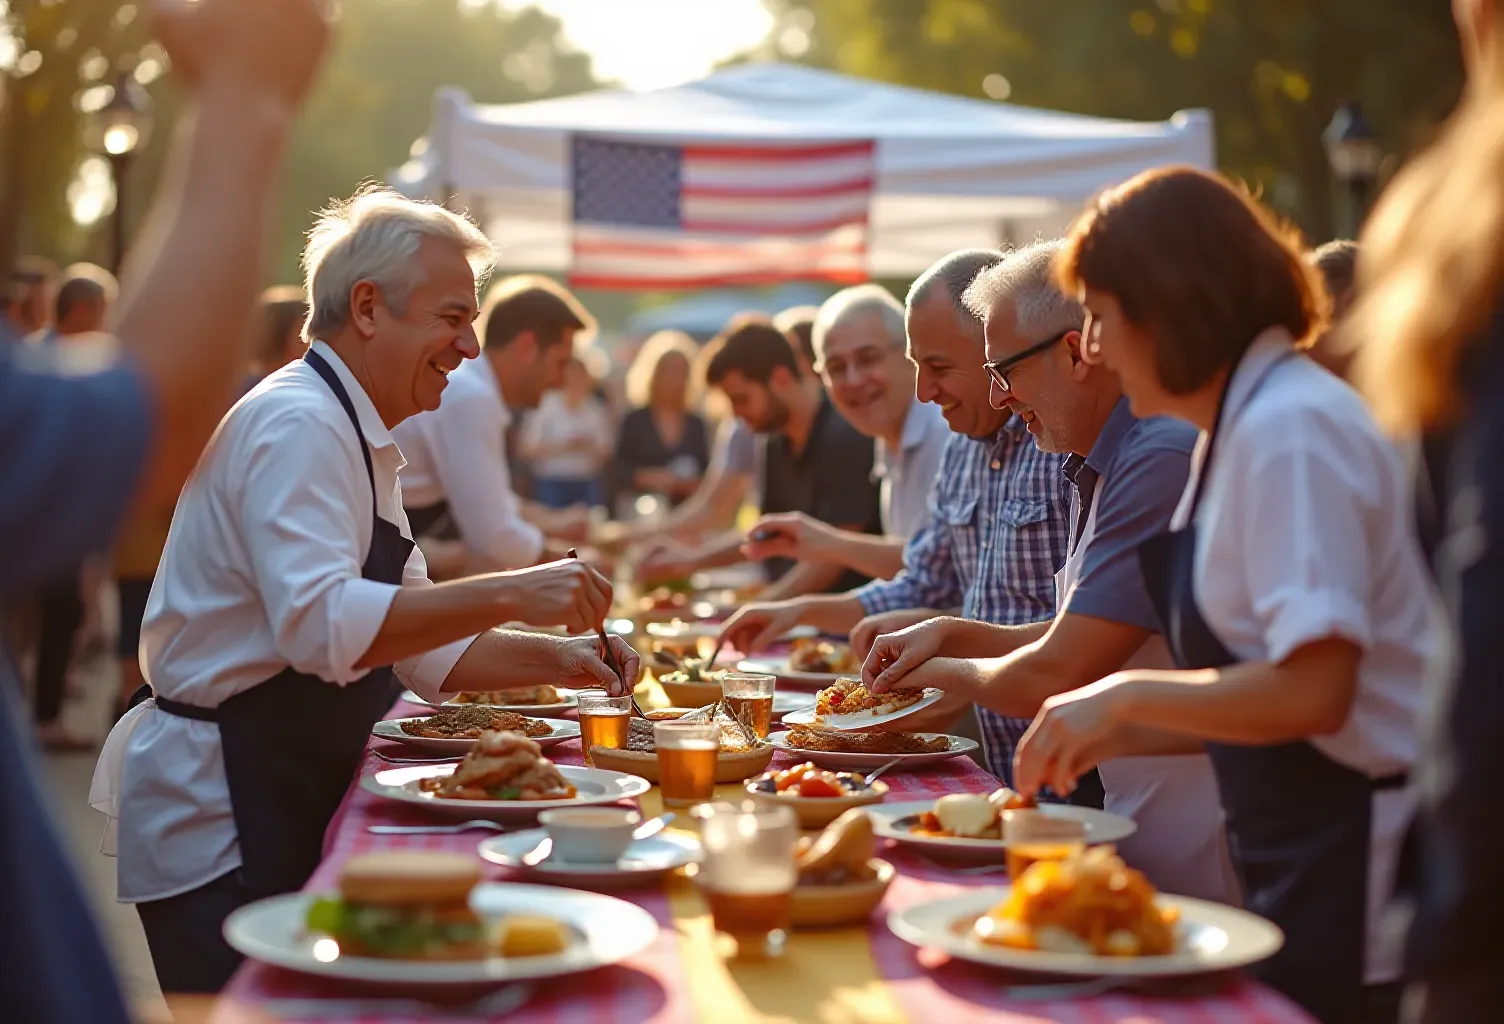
(120, 128)
(1356, 157)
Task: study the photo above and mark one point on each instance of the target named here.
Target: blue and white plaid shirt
(1000, 529)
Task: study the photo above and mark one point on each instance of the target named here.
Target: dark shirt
(1456, 945)
(71, 454)
(640, 446)
(830, 480)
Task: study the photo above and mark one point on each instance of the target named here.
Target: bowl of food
(818, 797)
(691, 684)
(840, 881)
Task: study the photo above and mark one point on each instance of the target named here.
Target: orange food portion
(849, 696)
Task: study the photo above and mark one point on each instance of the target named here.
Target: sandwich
(406, 905)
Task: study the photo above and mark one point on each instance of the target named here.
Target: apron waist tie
(196, 712)
(1398, 780)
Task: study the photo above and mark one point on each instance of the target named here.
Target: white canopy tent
(946, 172)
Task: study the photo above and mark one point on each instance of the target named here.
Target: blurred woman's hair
(1433, 256)
(1198, 264)
(282, 310)
(642, 376)
(798, 325)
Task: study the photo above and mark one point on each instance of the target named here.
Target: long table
(858, 975)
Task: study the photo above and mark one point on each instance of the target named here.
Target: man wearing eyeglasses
(1127, 476)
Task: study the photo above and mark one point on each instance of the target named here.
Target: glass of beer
(747, 873)
(687, 753)
(603, 721)
(750, 698)
(1032, 836)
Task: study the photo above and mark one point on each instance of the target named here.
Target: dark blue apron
(1298, 822)
(293, 744)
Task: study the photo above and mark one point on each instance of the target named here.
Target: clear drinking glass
(750, 698)
(603, 721)
(687, 754)
(1033, 836)
(746, 873)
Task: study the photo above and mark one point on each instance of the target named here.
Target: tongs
(609, 657)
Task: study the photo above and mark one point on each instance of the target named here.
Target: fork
(434, 830)
(390, 759)
(490, 1006)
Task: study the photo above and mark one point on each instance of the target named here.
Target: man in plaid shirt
(1000, 509)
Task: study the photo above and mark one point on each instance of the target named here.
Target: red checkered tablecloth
(825, 976)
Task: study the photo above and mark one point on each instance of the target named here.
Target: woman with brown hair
(1432, 364)
(662, 446)
(1292, 594)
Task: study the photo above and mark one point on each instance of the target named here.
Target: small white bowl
(590, 835)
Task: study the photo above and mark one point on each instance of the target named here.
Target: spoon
(538, 854)
(881, 768)
(434, 830)
(391, 759)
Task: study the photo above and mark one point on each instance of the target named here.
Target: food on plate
(531, 935)
(467, 723)
(849, 697)
(1090, 903)
(971, 815)
(832, 741)
(520, 696)
(666, 714)
(502, 766)
(806, 780)
(841, 854)
(735, 736)
(407, 905)
(810, 654)
(693, 670)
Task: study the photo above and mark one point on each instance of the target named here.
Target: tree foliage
(1271, 71)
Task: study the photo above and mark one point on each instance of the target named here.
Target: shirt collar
(1105, 448)
(376, 434)
(1265, 350)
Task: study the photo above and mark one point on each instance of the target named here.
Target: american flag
(657, 216)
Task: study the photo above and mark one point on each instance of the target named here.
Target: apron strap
(323, 369)
(1206, 463)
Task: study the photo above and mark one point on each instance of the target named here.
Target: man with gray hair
(1127, 476)
(858, 342)
(290, 595)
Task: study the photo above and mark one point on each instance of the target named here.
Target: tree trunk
(14, 122)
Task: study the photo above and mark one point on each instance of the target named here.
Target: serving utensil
(435, 830)
(609, 656)
(874, 773)
(392, 759)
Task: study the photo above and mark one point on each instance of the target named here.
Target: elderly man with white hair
(859, 343)
(290, 594)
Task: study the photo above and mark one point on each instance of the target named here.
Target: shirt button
(997, 464)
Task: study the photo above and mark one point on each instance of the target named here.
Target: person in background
(1337, 262)
(813, 461)
(279, 329)
(662, 446)
(859, 349)
(1295, 599)
(1431, 323)
(798, 325)
(27, 301)
(457, 482)
(567, 439)
(81, 305)
(83, 451)
(1127, 474)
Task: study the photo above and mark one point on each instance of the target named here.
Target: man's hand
(956, 677)
(568, 593)
(894, 656)
(754, 627)
(269, 50)
(869, 629)
(663, 560)
(571, 524)
(1072, 734)
(790, 535)
(581, 665)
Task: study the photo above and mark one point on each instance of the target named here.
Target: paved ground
(82, 826)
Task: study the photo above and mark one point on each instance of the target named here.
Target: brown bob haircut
(752, 347)
(529, 302)
(1197, 263)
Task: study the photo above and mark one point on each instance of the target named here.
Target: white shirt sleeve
(298, 497)
(425, 673)
(469, 453)
(1304, 505)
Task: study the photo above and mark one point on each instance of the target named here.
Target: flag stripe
(765, 175)
(689, 281)
(858, 186)
(763, 215)
(778, 153)
(782, 228)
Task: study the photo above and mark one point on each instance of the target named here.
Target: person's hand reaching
(568, 593)
(581, 665)
(754, 627)
(265, 50)
(789, 535)
(869, 629)
(895, 655)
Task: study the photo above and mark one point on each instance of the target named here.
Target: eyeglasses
(998, 369)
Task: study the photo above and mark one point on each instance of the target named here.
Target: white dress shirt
(556, 420)
(262, 571)
(906, 476)
(458, 453)
(1305, 532)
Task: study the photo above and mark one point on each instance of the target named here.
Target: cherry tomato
(790, 777)
(820, 784)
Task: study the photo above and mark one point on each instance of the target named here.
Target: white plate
(780, 667)
(570, 700)
(959, 745)
(605, 930)
(889, 821)
(864, 719)
(785, 702)
(1209, 937)
(645, 860)
(391, 729)
(594, 786)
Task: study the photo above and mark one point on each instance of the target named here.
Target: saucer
(645, 861)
